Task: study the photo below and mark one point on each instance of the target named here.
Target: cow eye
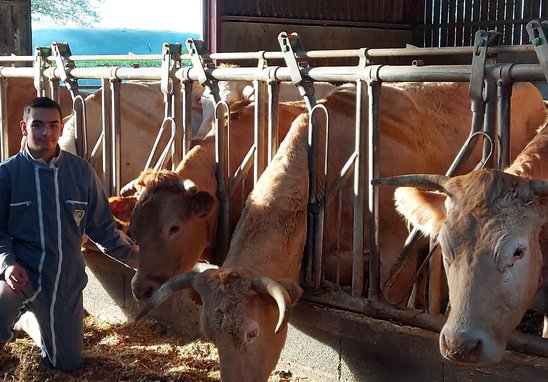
(174, 229)
(519, 253)
(252, 334)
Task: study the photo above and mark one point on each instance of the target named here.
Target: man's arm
(7, 257)
(101, 229)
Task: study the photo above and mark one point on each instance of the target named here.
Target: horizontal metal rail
(335, 74)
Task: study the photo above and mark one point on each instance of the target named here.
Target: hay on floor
(145, 351)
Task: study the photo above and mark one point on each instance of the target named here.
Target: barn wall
(322, 24)
(239, 36)
(15, 27)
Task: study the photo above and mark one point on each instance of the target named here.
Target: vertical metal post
(504, 94)
(374, 89)
(360, 180)
(116, 137)
(490, 119)
(260, 131)
(177, 133)
(273, 93)
(222, 147)
(107, 136)
(4, 145)
(317, 173)
(187, 116)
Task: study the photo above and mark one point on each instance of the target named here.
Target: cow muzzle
(475, 347)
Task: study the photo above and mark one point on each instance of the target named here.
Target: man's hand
(16, 277)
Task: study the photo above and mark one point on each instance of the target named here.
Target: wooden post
(16, 35)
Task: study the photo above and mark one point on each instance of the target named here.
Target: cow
(492, 226)
(235, 92)
(142, 114)
(418, 130)
(181, 225)
(245, 301)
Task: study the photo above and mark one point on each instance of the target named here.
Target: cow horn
(268, 286)
(190, 186)
(172, 285)
(429, 182)
(539, 187)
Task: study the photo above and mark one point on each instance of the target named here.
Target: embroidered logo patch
(78, 216)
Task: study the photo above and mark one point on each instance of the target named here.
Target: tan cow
(419, 130)
(422, 127)
(489, 224)
(142, 114)
(245, 301)
(179, 225)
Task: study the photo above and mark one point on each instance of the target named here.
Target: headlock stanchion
(484, 74)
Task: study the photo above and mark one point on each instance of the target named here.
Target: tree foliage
(82, 12)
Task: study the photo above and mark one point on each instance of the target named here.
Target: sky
(177, 16)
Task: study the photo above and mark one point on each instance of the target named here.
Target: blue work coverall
(45, 209)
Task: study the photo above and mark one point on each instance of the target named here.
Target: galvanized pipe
(116, 141)
(373, 139)
(222, 172)
(360, 179)
(4, 144)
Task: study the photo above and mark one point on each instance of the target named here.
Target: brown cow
(142, 114)
(421, 127)
(419, 131)
(245, 301)
(493, 231)
(179, 225)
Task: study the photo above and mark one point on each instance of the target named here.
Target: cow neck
(199, 166)
(531, 162)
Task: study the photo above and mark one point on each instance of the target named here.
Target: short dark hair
(41, 103)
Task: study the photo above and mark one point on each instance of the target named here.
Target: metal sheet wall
(454, 22)
(330, 12)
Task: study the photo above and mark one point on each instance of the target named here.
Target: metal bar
(489, 121)
(116, 141)
(321, 176)
(187, 115)
(260, 131)
(504, 94)
(107, 136)
(4, 144)
(222, 171)
(273, 143)
(360, 170)
(374, 90)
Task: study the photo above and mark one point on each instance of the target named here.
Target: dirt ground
(132, 352)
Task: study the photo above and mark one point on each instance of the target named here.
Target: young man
(48, 199)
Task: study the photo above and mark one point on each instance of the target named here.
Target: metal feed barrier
(490, 92)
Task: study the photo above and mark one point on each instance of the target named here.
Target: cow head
(243, 314)
(170, 217)
(488, 224)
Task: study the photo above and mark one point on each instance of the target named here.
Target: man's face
(42, 128)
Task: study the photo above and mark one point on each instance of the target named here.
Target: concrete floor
(323, 344)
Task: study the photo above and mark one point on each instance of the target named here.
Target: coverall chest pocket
(22, 220)
(77, 209)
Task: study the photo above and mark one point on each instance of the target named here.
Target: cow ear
(423, 209)
(201, 203)
(122, 207)
(293, 289)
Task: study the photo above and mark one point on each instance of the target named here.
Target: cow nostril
(148, 292)
(475, 349)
